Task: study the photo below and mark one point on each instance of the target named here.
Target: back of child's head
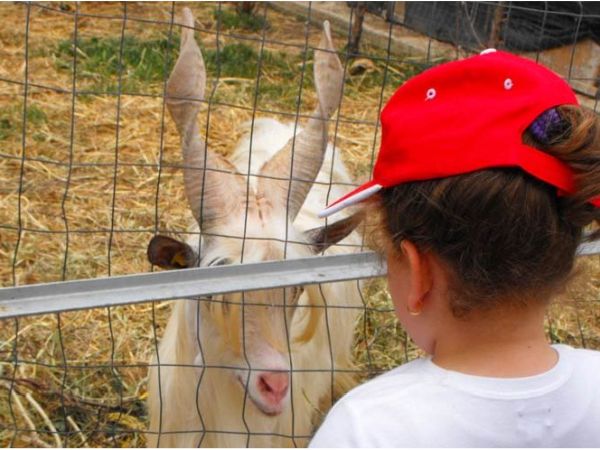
(490, 164)
(503, 234)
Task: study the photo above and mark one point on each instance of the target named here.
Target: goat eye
(296, 292)
(218, 261)
(222, 302)
(292, 296)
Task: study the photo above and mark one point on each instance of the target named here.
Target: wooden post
(360, 8)
(497, 22)
(245, 7)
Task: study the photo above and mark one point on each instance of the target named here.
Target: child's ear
(420, 273)
(169, 253)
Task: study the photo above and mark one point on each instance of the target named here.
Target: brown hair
(502, 234)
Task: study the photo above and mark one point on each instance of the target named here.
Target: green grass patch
(11, 119)
(234, 60)
(241, 60)
(5, 128)
(35, 114)
(143, 64)
(143, 61)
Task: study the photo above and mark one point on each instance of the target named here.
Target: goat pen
(92, 171)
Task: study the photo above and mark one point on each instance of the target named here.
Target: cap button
(488, 50)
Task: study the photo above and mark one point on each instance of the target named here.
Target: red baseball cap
(464, 116)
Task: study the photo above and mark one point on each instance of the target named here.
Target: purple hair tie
(547, 125)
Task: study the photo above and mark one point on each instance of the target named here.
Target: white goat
(253, 368)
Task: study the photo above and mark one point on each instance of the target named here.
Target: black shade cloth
(525, 26)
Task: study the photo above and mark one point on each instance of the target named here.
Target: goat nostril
(264, 386)
(273, 383)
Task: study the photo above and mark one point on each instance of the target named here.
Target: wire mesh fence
(92, 169)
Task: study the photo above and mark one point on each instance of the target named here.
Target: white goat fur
(220, 399)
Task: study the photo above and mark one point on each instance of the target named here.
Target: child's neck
(508, 345)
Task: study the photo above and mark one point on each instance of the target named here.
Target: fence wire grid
(92, 170)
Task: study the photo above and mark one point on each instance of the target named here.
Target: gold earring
(413, 313)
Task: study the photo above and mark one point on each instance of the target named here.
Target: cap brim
(356, 196)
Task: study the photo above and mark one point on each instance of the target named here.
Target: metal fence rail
(130, 289)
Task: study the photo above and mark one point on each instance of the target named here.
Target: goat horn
(215, 194)
(301, 159)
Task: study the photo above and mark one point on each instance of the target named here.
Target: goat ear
(169, 253)
(324, 237)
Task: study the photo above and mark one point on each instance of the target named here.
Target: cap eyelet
(508, 84)
(431, 93)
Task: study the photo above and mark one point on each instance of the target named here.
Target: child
(487, 175)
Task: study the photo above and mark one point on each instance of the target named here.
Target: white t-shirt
(419, 404)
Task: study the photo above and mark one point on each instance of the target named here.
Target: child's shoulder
(580, 358)
(421, 377)
(403, 379)
(421, 403)
(355, 419)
